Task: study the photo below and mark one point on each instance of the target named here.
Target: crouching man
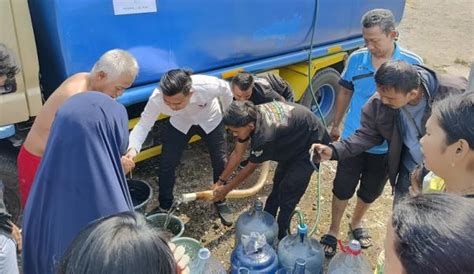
(277, 131)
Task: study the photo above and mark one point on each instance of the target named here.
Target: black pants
(289, 184)
(174, 143)
(403, 184)
(368, 169)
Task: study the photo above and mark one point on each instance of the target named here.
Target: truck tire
(8, 175)
(326, 88)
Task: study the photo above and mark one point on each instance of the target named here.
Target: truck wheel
(326, 87)
(8, 176)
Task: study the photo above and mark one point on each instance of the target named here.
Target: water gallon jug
(206, 264)
(299, 245)
(243, 270)
(299, 268)
(255, 254)
(350, 260)
(257, 220)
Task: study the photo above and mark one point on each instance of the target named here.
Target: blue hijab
(80, 178)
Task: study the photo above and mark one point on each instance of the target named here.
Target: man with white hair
(114, 72)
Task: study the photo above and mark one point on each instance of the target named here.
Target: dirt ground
(441, 32)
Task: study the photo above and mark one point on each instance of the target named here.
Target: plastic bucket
(175, 226)
(141, 193)
(190, 245)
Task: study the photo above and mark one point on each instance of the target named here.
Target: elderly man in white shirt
(192, 102)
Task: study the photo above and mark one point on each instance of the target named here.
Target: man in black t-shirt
(259, 90)
(277, 131)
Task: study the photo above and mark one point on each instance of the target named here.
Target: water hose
(208, 195)
(321, 116)
(300, 215)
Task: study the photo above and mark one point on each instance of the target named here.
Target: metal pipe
(208, 195)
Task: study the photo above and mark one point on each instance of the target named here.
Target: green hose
(300, 219)
(318, 182)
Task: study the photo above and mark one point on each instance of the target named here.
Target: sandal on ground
(362, 235)
(328, 240)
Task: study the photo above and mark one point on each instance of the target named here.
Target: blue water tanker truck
(304, 41)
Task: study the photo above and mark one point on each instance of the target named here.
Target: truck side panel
(203, 35)
(17, 34)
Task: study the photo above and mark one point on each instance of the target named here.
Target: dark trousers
(289, 184)
(174, 143)
(403, 184)
(368, 169)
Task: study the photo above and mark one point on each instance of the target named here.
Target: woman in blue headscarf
(80, 178)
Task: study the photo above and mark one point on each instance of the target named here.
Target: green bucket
(175, 226)
(191, 247)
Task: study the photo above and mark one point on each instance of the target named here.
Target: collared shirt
(284, 131)
(203, 109)
(358, 76)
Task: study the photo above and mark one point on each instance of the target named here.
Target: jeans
(174, 143)
(8, 260)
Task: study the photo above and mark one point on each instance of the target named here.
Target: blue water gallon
(255, 254)
(257, 220)
(299, 268)
(299, 245)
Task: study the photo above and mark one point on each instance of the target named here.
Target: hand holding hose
(324, 152)
(128, 160)
(220, 191)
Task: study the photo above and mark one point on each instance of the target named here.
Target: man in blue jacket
(357, 86)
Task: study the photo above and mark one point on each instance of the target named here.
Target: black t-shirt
(270, 88)
(285, 131)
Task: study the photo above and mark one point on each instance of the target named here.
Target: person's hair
(434, 233)
(382, 18)
(8, 64)
(455, 115)
(240, 114)
(399, 75)
(121, 243)
(176, 81)
(243, 80)
(115, 63)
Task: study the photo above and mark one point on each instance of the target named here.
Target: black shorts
(370, 169)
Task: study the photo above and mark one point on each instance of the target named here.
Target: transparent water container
(206, 264)
(300, 245)
(257, 220)
(299, 268)
(350, 261)
(254, 254)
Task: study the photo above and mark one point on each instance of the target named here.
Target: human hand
(325, 152)
(127, 164)
(16, 234)
(128, 160)
(335, 133)
(217, 184)
(182, 260)
(220, 191)
(416, 179)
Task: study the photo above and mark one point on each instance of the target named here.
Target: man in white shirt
(192, 102)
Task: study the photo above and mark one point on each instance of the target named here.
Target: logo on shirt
(202, 105)
(276, 113)
(257, 153)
